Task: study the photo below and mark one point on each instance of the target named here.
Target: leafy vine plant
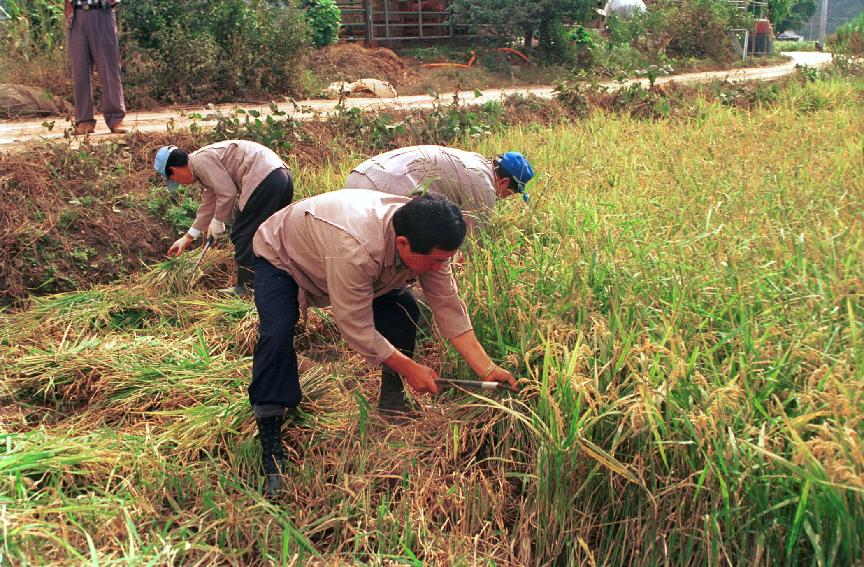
(323, 17)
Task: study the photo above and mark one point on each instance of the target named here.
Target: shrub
(197, 50)
(575, 97)
(276, 130)
(620, 60)
(220, 49)
(35, 26)
(446, 124)
(698, 29)
(681, 29)
(849, 38)
(31, 46)
(524, 18)
(581, 46)
(323, 17)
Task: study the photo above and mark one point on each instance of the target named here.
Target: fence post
(387, 19)
(367, 14)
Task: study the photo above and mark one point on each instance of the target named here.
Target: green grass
(779, 46)
(682, 300)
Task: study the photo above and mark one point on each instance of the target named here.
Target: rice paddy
(681, 300)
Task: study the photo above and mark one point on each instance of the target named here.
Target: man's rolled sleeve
(449, 310)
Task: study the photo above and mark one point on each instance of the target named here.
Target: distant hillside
(839, 11)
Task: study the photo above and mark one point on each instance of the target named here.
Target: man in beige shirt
(225, 170)
(357, 251)
(468, 179)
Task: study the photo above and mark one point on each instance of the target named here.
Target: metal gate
(379, 21)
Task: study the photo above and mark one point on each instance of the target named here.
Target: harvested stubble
(684, 306)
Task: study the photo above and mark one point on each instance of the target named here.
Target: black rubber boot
(245, 277)
(392, 403)
(245, 283)
(272, 453)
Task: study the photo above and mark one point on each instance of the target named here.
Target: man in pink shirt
(240, 170)
(468, 179)
(357, 251)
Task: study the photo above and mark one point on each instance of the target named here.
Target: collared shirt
(466, 178)
(226, 169)
(340, 247)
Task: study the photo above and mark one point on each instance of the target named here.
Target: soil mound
(21, 101)
(350, 62)
(73, 217)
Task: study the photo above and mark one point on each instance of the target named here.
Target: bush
(849, 39)
(276, 130)
(525, 19)
(620, 60)
(581, 46)
(35, 26)
(685, 29)
(323, 17)
(698, 29)
(197, 50)
(211, 50)
(31, 47)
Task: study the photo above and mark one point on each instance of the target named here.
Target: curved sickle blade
(204, 250)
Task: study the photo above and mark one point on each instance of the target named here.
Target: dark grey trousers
(92, 42)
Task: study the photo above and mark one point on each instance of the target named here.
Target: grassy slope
(682, 298)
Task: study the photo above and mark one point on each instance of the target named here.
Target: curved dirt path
(17, 133)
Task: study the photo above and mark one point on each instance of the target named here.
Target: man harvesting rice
(468, 179)
(357, 251)
(234, 169)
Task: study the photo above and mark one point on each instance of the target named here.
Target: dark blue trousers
(271, 195)
(274, 365)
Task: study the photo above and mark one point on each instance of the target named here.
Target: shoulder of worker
(427, 152)
(359, 211)
(356, 222)
(245, 146)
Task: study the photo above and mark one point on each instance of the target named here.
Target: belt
(86, 7)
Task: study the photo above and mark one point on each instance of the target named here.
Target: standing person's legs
(82, 65)
(102, 35)
(396, 314)
(271, 195)
(275, 380)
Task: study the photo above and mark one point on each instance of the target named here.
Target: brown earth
(352, 61)
(71, 218)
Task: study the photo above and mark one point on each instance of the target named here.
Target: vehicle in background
(789, 35)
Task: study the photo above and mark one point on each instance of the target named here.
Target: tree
(799, 14)
(525, 18)
(789, 14)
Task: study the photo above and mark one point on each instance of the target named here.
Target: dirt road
(20, 132)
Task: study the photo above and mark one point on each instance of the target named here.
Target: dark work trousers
(274, 365)
(93, 42)
(271, 195)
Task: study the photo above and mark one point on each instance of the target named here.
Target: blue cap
(159, 165)
(517, 167)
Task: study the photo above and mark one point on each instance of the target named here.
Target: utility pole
(823, 21)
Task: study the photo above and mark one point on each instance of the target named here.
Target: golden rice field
(681, 299)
